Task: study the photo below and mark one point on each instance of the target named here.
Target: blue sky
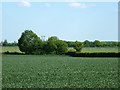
(68, 21)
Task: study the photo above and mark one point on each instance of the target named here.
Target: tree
(62, 47)
(70, 43)
(114, 44)
(51, 48)
(56, 46)
(5, 43)
(97, 43)
(86, 43)
(30, 43)
(78, 46)
(53, 39)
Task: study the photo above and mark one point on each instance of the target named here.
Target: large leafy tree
(51, 46)
(62, 47)
(30, 43)
(78, 46)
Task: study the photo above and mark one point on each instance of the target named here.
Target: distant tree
(78, 46)
(92, 44)
(30, 43)
(13, 44)
(5, 43)
(86, 43)
(70, 43)
(114, 44)
(97, 43)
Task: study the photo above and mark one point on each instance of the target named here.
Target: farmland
(10, 49)
(49, 71)
(86, 49)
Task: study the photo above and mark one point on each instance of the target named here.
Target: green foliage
(97, 43)
(70, 43)
(85, 49)
(56, 46)
(30, 43)
(79, 54)
(78, 46)
(51, 48)
(62, 47)
(86, 43)
(5, 43)
(53, 39)
(48, 71)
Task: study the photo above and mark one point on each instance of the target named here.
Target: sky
(68, 21)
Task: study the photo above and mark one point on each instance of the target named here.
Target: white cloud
(80, 5)
(47, 5)
(25, 3)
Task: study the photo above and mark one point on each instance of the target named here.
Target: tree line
(30, 43)
(95, 43)
(6, 43)
(86, 43)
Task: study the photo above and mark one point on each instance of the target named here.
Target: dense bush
(76, 54)
(30, 43)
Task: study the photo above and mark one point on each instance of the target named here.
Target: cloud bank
(24, 3)
(47, 5)
(80, 5)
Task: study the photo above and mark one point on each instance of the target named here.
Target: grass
(27, 71)
(10, 49)
(100, 49)
(97, 49)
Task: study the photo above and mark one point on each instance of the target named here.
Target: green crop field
(45, 71)
(86, 49)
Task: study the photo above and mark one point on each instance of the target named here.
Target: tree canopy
(78, 46)
(29, 42)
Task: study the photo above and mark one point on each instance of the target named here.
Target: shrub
(75, 54)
